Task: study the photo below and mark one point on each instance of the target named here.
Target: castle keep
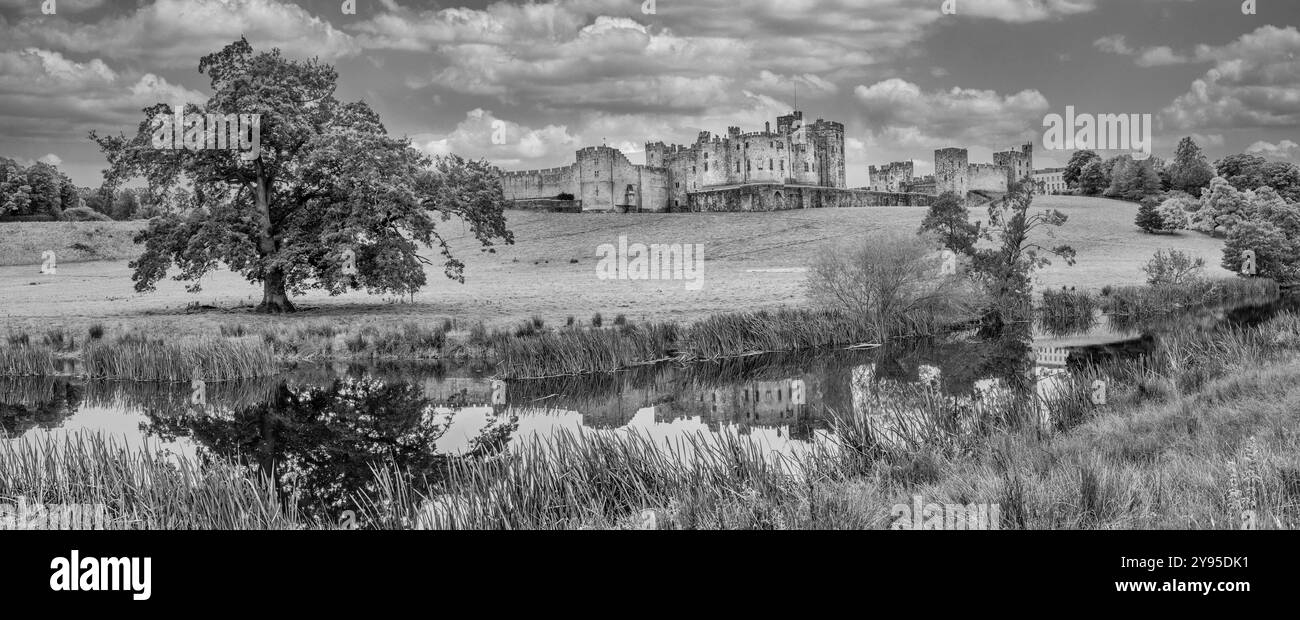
(796, 166)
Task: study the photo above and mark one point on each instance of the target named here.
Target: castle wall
(547, 183)
(987, 177)
(779, 197)
(765, 158)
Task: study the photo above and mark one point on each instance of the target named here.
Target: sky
(904, 76)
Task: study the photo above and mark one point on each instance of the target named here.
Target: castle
(796, 166)
(953, 172)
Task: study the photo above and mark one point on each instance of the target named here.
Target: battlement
(544, 171)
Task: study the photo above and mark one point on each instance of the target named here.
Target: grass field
(752, 261)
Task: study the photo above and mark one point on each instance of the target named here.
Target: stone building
(892, 177)
(795, 155)
(1019, 164)
(1050, 181)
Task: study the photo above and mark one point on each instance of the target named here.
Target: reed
(139, 487)
(27, 361)
(210, 359)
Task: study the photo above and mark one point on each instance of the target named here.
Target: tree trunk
(274, 299)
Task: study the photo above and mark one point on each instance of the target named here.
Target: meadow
(753, 261)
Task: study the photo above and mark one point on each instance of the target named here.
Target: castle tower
(789, 122)
(827, 142)
(950, 171)
(1019, 164)
(596, 178)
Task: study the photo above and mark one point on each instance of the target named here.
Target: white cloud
(172, 33)
(899, 112)
(1255, 82)
(474, 138)
(1286, 149)
(44, 94)
(1145, 57)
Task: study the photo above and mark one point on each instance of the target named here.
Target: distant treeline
(41, 192)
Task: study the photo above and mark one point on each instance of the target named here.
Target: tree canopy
(329, 200)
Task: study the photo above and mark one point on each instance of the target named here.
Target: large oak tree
(331, 201)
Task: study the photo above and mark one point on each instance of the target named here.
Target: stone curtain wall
(777, 197)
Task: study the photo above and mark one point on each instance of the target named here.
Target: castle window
(737, 166)
(771, 145)
(749, 165)
(677, 185)
(769, 164)
(782, 165)
(706, 166)
(693, 170)
(597, 174)
(746, 145)
(805, 166)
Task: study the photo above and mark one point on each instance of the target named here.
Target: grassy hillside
(752, 260)
(71, 242)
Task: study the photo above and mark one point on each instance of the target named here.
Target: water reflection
(319, 430)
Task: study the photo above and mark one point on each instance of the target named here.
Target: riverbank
(1196, 435)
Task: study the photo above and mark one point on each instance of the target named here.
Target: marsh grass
(27, 361)
(210, 359)
(140, 487)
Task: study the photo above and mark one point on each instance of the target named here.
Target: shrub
(597, 320)
(1173, 268)
(84, 214)
(895, 283)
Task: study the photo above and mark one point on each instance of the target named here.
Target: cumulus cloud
(900, 112)
(43, 94)
(34, 7)
(1156, 56)
(172, 33)
(505, 143)
(1254, 82)
(1286, 149)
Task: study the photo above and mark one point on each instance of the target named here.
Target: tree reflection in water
(320, 444)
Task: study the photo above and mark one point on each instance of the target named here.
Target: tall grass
(27, 361)
(210, 359)
(140, 487)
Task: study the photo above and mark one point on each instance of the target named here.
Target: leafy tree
(1241, 170)
(1281, 176)
(1007, 267)
(950, 220)
(15, 192)
(69, 196)
(1277, 256)
(46, 183)
(125, 204)
(328, 180)
(1123, 176)
(1074, 169)
(1094, 178)
(1222, 208)
(1190, 172)
(1149, 218)
(1172, 216)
